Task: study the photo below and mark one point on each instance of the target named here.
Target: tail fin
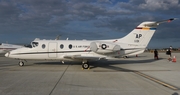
(143, 33)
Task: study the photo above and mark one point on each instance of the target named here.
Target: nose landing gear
(21, 63)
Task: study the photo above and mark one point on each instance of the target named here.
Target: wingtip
(171, 19)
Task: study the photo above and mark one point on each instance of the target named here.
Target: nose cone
(7, 54)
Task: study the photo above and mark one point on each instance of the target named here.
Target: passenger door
(52, 50)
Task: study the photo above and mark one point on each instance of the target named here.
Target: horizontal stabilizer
(159, 22)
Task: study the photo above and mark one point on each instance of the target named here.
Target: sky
(21, 21)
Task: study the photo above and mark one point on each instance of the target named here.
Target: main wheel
(21, 63)
(85, 65)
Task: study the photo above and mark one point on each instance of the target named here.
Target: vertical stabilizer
(143, 33)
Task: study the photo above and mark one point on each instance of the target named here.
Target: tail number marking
(138, 35)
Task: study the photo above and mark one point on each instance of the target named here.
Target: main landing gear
(85, 65)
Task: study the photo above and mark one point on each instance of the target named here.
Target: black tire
(85, 65)
(21, 63)
(125, 56)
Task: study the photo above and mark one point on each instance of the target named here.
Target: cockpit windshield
(28, 46)
(0, 43)
(34, 44)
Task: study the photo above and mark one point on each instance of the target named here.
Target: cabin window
(70, 46)
(43, 46)
(35, 44)
(61, 46)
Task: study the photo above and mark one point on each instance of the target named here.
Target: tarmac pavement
(131, 76)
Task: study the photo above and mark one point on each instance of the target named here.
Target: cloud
(105, 1)
(43, 17)
(159, 4)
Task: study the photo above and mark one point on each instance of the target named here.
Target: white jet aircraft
(4, 48)
(85, 50)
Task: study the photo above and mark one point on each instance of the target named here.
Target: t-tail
(141, 35)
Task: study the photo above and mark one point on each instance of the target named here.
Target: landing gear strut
(21, 63)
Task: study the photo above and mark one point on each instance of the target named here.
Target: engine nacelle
(103, 47)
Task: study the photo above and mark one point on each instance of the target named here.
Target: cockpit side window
(35, 44)
(0, 43)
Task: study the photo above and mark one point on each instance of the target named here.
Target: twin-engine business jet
(85, 50)
(4, 48)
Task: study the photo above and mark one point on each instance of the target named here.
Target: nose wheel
(21, 63)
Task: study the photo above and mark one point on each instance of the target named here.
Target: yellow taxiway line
(157, 81)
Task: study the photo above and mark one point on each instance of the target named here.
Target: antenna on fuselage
(58, 37)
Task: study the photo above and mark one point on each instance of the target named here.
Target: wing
(83, 57)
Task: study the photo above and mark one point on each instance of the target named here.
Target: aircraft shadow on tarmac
(108, 64)
(103, 62)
